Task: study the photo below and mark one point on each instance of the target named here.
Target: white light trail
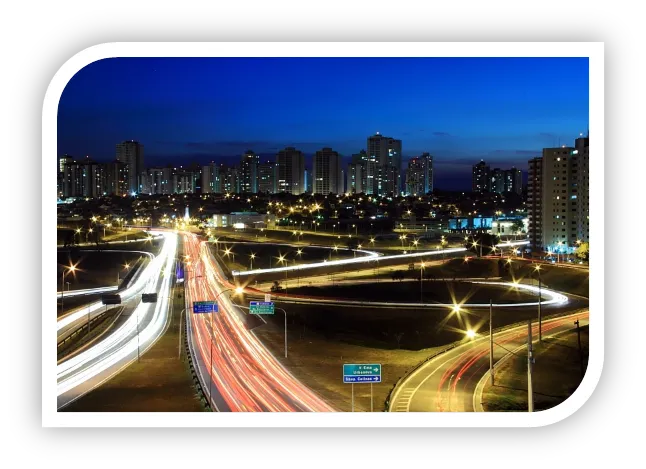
(87, 291)
(122, 344)
(140, 283)
(369, 258)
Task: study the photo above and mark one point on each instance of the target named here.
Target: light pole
(530, 362)
(251, 258)
(540, 331)
(491, 340)
(179, 345)
(71, 268)
(421, 282)
(285, 312)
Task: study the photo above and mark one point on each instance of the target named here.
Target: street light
(71, 268)
(251, 258)
(421, 282)
(540, 331)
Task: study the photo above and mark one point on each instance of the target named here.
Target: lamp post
(71, 268)
(540, 330)
(251, 258)
(421, 282)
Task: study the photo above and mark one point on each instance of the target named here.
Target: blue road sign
(205, 307)
(368, 373)
(261, 307)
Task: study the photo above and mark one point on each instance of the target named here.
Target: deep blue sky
(504, 110)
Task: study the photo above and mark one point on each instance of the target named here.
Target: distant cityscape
(554, 200)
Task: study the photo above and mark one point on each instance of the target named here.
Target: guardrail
(83, 327)
(462, 342)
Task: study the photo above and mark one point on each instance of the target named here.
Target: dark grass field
(319, 363)
(557, 374)
(392, 328)
(94, 269)
(416, 291)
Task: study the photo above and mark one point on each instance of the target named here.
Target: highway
(71, 321)
(236, 370)
(548, 297)
(140, 329)
(87, 291)
(449, 381)
(369, 257)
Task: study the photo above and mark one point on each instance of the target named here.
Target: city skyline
(186, 110)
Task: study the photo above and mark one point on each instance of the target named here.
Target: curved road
(449, 381)
(72, 320)
(145, 324)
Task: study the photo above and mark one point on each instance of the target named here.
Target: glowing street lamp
(71, 268)
(251, 258)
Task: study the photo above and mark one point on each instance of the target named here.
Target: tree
(583, 252)
(518, 226)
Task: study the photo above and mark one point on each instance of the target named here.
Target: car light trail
(87, 291)
(553, 298)
(371, 257)
(358, 260)
(66, 321)
(121, 346)
(247, 377)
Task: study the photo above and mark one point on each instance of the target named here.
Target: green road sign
(261, 307)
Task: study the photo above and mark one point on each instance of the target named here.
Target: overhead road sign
(200, 307)
(261, 307)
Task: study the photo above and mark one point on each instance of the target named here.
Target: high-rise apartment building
(355, 183)
(211, 179)
(63, 160)
(327, 174)
(386, 152)
(414, 177)
(159, 181)
(230, 179)
(132, 153)
(249, 172)
(268, 177)
(481, 178)
(419, 175)
(581, 193)
(506, 180)
(564, 197)
(291, 171)
(535, 202)
(184, 182)
(497, 180)
(368, 172)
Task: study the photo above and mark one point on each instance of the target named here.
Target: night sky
(460, 110)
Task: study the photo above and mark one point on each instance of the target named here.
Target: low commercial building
(243, 220)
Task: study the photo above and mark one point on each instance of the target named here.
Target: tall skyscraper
(368, 172)
(249, 172)
(355, 183)
(427, 169)
(268, 177)
(327, 173)
(386, 152)
(506, 180)
(581, 193)
(481, 178)
(564, 196)
(535, 202)
(160, 180)
(132, 153)
(291, 171)
(415, 177)
(497, 180)
(211, 179)
(63, 160)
